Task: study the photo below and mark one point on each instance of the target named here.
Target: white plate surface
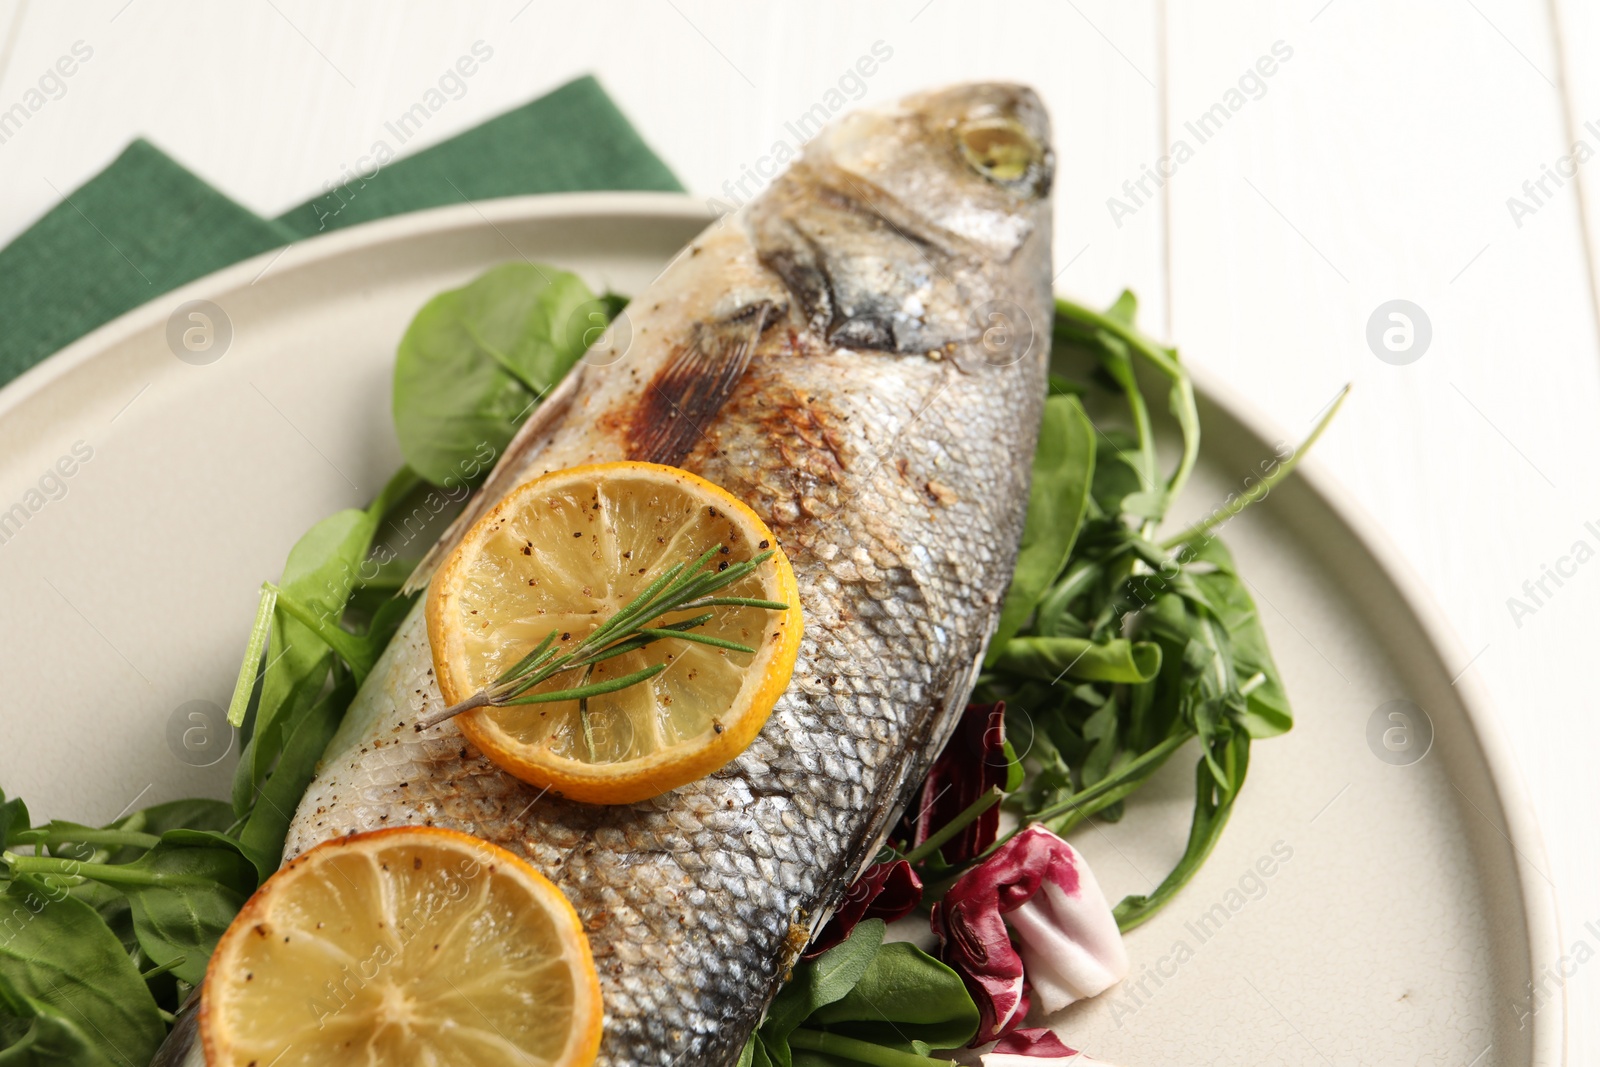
(1355, 912)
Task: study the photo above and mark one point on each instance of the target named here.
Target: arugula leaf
(475, 360)
(1214, 800)
(59, 956)
(1117, 361)
(1116, 339)
(823, 1048)
(1117, 472)
(1051, 658)
(1136, 646)
(1267, 711)
(1063, 469)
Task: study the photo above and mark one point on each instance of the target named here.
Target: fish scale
(823, 344)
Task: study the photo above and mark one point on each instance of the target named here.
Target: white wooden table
(1376, 162)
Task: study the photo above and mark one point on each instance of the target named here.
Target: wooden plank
(1576, 32)
(1376, 165)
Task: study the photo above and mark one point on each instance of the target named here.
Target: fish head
(904, 228)
(974, 160)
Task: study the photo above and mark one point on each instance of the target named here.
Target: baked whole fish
(858, 354)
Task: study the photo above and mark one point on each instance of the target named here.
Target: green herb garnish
(686, 586)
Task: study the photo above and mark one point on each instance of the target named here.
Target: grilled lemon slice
(561, 555)
(403, 946)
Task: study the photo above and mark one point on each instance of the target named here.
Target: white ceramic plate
(1357, 911)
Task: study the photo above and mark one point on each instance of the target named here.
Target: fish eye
(999, 148)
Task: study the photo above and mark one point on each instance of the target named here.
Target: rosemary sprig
(685, 586)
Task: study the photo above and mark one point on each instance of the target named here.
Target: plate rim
(1540, 910)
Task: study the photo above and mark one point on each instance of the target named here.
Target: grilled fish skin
(859, 354)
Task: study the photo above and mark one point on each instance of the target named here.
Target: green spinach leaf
(36, 1034)
(13, 817)
(320, 573)
(904, 997)
(864, 1001)
(57, 953)
(819, 982)
(198, 813)
(189, 896)
(264, 832)
(477, 359)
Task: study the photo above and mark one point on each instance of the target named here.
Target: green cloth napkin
(145, 225)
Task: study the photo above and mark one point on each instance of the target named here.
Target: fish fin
(798, 266)
(689, 391)
(512, 463)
